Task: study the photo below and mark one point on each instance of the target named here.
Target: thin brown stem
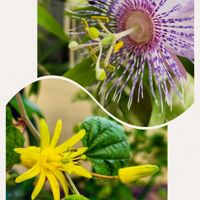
(100, 176)
(25, 117)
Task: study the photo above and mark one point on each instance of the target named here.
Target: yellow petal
(20, 150)
(54, 185)
(71, 142)
(44, 134)
(78, 170)
(28, 150)
(130, 174)
(79, 152)
(34, 171)
(62, 180)
(56, 134)
(39, 185)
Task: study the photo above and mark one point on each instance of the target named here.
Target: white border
(18, 63)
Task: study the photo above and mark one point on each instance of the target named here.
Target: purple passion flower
(134, 35)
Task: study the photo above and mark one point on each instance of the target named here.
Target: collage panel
(61, 145)
(135, 57)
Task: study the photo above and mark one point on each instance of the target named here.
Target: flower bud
(130, 174)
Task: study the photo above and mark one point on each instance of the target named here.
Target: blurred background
(54, 98)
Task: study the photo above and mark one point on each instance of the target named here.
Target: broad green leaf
(108, 149)
(48, 22)
(75, 197)
(30, 107)
(83, 73)
(14, 138)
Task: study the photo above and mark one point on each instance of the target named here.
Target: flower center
(143, 21)
(49, 157)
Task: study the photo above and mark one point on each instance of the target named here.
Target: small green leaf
(14, 138)
(75, 197)
(46, 21)
(83, 73)
(108, 149)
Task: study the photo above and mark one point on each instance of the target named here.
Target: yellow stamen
(118, 46)
(104, 19)
(85, 23)
(101, 24)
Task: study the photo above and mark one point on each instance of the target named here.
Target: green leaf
(75, 197)
(46, 21)
(8, 116)
(108, 149)
(14, 138)
(30, 107)
(83, 73)
(34, 88)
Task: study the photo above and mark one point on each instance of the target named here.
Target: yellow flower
(51, 162)
(130, 174)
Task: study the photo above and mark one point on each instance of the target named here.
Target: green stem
(25, 117)
(71, 185)
(100, 176)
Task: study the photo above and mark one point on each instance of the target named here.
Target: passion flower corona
(134, 36)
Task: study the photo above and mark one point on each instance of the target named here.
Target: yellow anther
(85, 23)
(104, 19)
(118, 46)
(93, 55)
(111, 68)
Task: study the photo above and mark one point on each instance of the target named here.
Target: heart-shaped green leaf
(108, 149)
